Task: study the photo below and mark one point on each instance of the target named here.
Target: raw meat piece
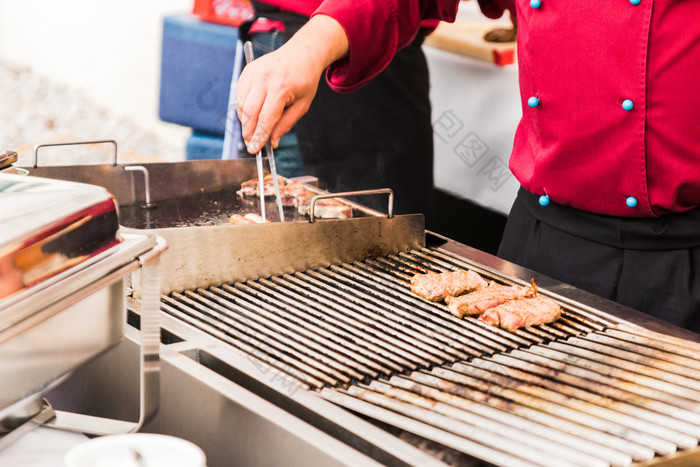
(437, 286)
(522, 313)
(249, 188)
(477, 302)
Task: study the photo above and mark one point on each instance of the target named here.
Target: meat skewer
(522, 313)
(437, 286)
(477, 302)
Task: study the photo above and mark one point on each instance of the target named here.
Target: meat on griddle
(523, 312)
(477, 302)
(295, 194)
(437, 286)
(250, 218)
(250, 188)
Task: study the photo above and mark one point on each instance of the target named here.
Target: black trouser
(651, 265)
(379, 136)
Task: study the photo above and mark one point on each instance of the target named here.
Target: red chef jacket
(611, 104)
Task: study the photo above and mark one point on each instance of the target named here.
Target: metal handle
(104, 141)
(378, 191)
(146, 183)
(149, 359)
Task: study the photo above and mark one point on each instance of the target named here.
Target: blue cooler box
(195, 78)
(203, 146)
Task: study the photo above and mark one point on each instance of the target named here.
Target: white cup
(136, 450)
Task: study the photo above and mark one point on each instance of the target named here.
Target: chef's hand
(276, 90)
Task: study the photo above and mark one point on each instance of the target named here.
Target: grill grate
(349, 323)
(574, 392)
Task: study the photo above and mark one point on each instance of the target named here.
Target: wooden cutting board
(466, 37)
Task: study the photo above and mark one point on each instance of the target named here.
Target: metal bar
(383, 344)
(595, 450)
(643, 368)
(481, 423)
(540, 399)
(347, 351)
(273, 328)
(377, 354)
(469, 432)
(594, 403)
(422, 429)
(497, 338)
(368, 322)
(358, 295)
(607, 367)
(298, 352)
(466, 387)
(249, 344)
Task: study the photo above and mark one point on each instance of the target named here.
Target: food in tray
(295, 194)
(250, 188)
(475, 303)
(437, 286)
(328, 208)
(250, 218)
(523, 312)
(467, 293)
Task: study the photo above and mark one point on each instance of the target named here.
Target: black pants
(651, 265)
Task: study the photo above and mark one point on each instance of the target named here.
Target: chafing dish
(63, 265)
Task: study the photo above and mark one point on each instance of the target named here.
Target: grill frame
(620, 319)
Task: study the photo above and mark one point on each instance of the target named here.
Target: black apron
(379, 136)
(649, 264)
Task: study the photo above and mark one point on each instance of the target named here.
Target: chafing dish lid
(48, 226)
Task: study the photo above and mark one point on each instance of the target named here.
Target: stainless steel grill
(353, 322)
(575, 392)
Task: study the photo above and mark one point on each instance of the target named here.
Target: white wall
(109, 49)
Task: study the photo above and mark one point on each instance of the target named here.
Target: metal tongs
(248, 51)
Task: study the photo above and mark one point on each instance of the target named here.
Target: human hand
(276, 90)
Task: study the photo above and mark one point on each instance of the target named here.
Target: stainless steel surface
(202, 402)
(149, 360)
(75, 143)
(49, 226)
(212, 255)
(275, 181)
(589, 389)
(248, 51)
(51, 329)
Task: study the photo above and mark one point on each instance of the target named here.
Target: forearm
(323, 39)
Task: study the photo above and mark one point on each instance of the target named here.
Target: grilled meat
(329, 208)
(295, 194)
(250, 218)
(250, 188)
(479, 301)
(436, 287)
(523, 312)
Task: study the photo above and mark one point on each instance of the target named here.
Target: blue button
(635, 2)
(538, 3)
(631, 201)
(533, 101)
(544, 200)
(627, 104)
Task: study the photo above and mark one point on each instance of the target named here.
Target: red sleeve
(376, 29)
(494, 8)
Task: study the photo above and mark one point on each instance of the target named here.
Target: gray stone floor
(34, 110)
